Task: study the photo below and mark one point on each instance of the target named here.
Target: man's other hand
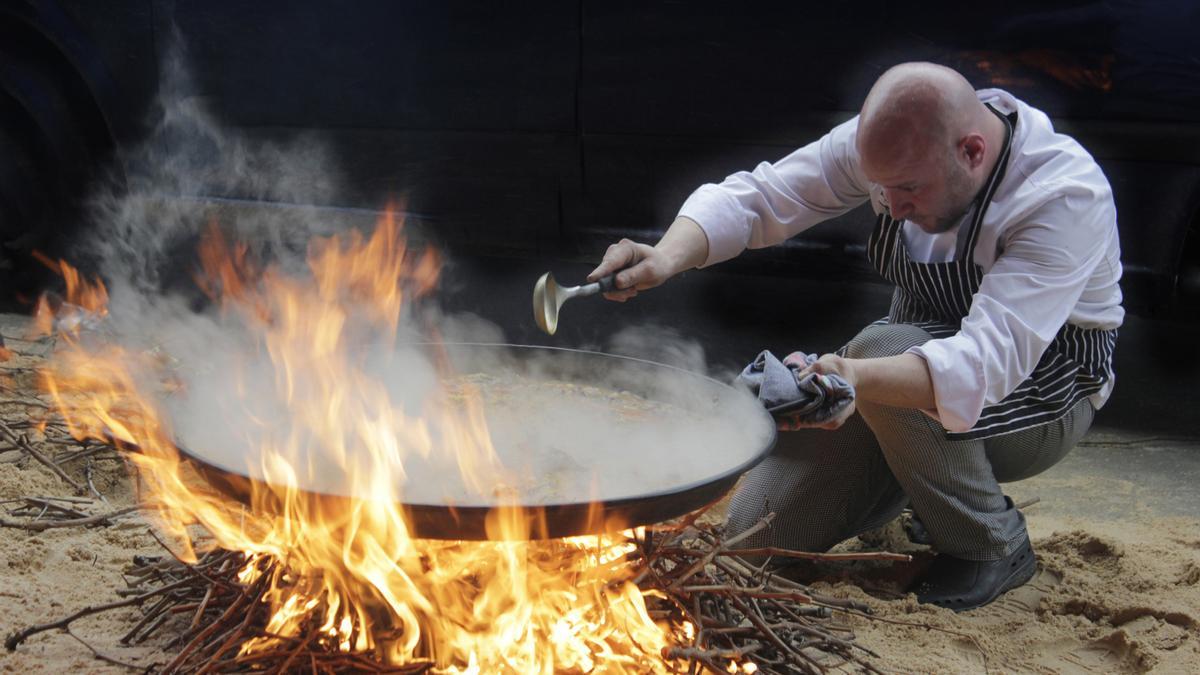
(829, 364)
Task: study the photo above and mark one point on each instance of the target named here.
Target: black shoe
(959, 584)
(915, 530)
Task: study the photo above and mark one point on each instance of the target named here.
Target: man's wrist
(847, 369)
(684, 246)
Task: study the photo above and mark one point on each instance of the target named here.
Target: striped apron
(937, 296)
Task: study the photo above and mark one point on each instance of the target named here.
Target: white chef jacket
(1048, 246)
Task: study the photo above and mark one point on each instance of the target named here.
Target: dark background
(528, 136)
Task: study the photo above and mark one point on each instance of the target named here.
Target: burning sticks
(213, 615)
(737, 615)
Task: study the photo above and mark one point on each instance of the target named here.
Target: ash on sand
(1117, 589)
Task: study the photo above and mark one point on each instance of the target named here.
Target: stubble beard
(960, 197)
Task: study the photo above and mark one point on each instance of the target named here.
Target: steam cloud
(143, 227)
(143, 243)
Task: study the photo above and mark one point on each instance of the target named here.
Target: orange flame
(350, 564)
(85, 299)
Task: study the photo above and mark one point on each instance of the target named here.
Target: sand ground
(1117, 532)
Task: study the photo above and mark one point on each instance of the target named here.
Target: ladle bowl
(549, 297)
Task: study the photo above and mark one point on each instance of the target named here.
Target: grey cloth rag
(811, 400)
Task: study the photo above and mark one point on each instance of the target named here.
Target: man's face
(931, 190)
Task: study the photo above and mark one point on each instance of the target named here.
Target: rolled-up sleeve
(755, 209)
(1023, 301)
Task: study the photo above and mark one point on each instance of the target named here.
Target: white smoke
(192, 172)
(659, 343)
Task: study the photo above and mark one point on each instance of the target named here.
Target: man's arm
(776, 201)
(902, 381)
(748, 209)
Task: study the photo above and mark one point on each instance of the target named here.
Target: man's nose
(900, 206)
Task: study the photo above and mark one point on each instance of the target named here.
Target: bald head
(914, 105)
(924, 135)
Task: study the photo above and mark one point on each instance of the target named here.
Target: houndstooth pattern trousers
(828, 486)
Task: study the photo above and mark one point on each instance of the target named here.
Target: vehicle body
(549, 128)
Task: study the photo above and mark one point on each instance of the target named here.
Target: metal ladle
(548, 298)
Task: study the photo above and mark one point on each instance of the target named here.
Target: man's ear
(971, 148)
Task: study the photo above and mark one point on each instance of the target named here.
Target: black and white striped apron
(937, 297)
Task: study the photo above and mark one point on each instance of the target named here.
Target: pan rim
(475, 514)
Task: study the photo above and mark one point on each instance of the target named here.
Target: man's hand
(829, 364)
(902, 381)
(641, 267)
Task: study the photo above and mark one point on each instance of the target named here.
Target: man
(1000, 237)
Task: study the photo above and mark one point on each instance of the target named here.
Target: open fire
(504, 605)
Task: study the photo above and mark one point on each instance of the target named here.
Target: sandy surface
(1116, 529)
(1109, 597)
(47, 575)
(1117, 590)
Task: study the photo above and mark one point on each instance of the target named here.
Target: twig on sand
(88, 450)
(40, 525)
(23, 443)
(87, 473)
(15, 639)
(100, 655)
